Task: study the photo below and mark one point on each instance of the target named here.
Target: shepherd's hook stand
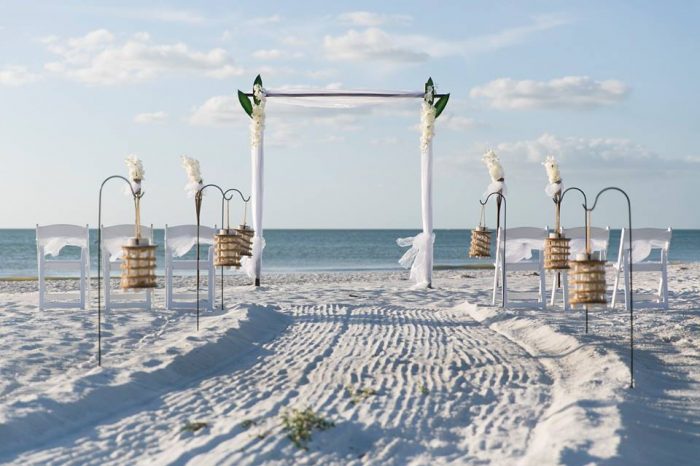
(585, 223)
(629, 254)
(500, 197)
(225, 197)
(136, 195)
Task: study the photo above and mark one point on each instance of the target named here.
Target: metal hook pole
(99, 257)
(199, 195)
(499, 197)
(631, 288)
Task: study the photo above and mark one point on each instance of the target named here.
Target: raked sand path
(436, 380)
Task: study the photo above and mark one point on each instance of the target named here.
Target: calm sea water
(318, 250)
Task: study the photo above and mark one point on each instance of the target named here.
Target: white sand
(455, 383)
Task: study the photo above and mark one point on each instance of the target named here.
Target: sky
(607, 87)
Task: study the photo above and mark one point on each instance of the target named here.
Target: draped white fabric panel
(420, 257)
(53, 245)
(182, 240)
(253, 265)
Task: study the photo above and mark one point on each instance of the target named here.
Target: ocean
(319, 250)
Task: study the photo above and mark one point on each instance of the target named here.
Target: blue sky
(609, 88)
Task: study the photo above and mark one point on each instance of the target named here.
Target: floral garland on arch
(255, 110)
(430, 111)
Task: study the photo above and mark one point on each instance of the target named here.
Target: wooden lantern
(480, 242)
(226, 249)
(587, 285)
(245, 240)
(138, 265)
(556, 252)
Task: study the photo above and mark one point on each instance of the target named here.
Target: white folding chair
(50, 240)
(179, 240)
(520, 243)
(113, 238)
(600, 238)
(644, 242)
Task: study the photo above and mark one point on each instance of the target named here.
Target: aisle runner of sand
(446, 387)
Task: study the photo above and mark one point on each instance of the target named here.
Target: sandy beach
(404, 376)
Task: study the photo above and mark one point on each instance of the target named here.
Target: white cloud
(294, 41)
(150, 117)
(457, 122)
(13, 75)
(585, 152)
(370, 19)
(218, 110)
(160, 14)
(267, 54)
(265, 20)
(569, 91)
(374, 44)
(385, 141)
(99, 58)
(620, 155)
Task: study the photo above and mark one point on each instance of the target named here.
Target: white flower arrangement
(493, 164)
(194, 175)
(136, 172)
(553, 176)
(257, 124)
(427, 121)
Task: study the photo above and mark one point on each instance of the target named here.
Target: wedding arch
(420, 256)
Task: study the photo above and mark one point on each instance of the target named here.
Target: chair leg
(554, 290)
(211, 289)
(628, 291)
(495, 284)
(664, 287)
(616, 286)
(543, 289)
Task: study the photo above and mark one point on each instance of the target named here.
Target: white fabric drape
(420, 257)
(641, 249)
(182, 244)
(53, 246)
(496, 187)
(519, 249)
(253, 265)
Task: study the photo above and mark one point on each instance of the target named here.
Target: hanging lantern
(556, 252)
(226, 250)
(587, 285)
(245, 240)
(480, 245)
(138, 264)
(480, 242)
(138, 255)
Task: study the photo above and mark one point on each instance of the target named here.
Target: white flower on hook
(493, 164)
(553, 175)
(194, 175)
(136, 172)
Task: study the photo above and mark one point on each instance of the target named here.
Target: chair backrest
(180, 239)
(521, 241)
(115, 236)
(600, 239)
(644, 241)
(50, 239)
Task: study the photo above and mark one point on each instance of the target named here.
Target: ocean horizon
(316, 250)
